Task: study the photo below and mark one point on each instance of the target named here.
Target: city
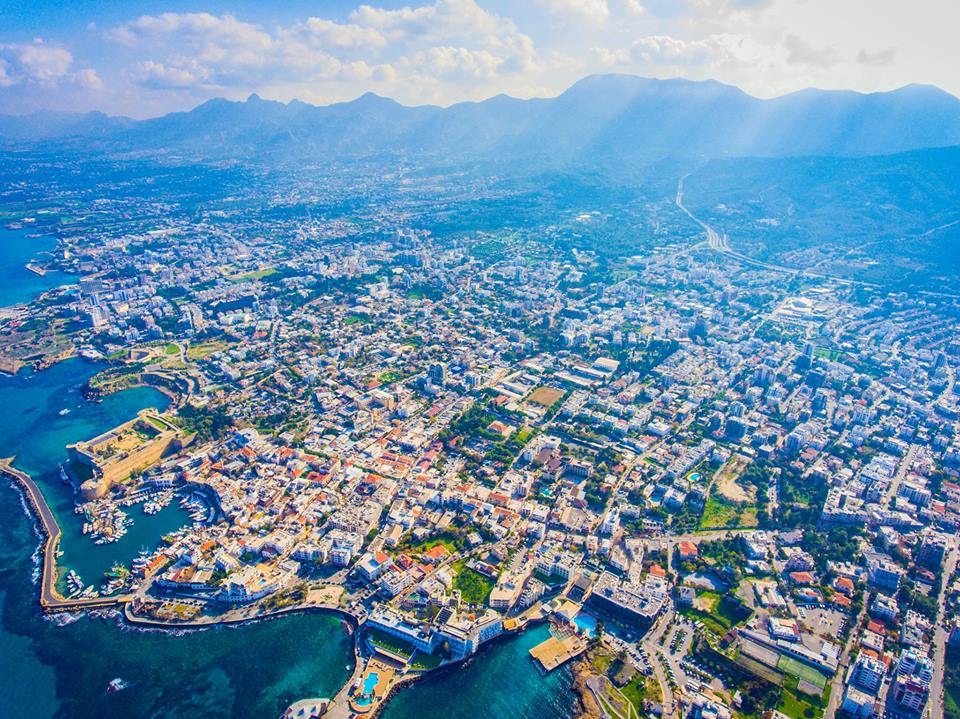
(730, 489)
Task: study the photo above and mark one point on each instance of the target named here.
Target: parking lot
(826, 623)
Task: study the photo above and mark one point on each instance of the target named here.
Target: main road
(935, 703)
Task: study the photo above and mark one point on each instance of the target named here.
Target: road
(652, 648)
(836, 692)
(935, 704)
(905, 464)
(720, 244)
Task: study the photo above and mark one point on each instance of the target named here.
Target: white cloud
(881, 57)
(589, 9)
(343, 35)
(158, 75)
(456, 63)
(634, 7)
(33, 62)
(88, 78)
(425, 49)
(799, 51)
(445, 51)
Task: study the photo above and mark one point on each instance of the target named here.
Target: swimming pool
(370, 683)
(586, 623)
(695, 477)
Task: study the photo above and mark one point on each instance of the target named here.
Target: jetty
(50, 599)
(36, 269)
(555, 652)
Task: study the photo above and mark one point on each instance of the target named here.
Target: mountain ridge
(601, 121)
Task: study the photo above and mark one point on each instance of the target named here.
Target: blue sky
(147, 58)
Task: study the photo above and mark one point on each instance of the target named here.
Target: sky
(147, 58)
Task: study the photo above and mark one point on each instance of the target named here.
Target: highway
(721, 245)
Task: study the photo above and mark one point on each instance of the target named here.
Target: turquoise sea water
(17, 283)
(501, 681)
(33, 430)
(48, 670)
(252, 671)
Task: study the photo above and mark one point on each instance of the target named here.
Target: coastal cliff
(583, 670)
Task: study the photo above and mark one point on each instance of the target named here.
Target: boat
(63, 474)
(117, 685)
(74, 583)
(64, 412)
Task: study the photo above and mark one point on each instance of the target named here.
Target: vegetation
(474, 587)
(721, 512)
(207, 422)
(389, 642)
(836, 544)
(951, 684)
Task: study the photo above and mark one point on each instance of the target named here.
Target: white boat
(117, 685)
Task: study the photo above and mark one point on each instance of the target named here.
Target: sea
(17, 283)
(61, 667)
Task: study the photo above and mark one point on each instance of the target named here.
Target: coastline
(124, 606)
(588, 707)
(52, 601)
(46, 524)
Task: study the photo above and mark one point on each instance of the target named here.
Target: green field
(791, 666)
(639, 689)
(474, 587)
(426, 662)
(721, 513)
(257, 275)
(797, 705)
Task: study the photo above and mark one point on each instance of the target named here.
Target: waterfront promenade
(50, 598)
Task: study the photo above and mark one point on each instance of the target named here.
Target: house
(687, 551)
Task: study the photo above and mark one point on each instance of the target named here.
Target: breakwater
(50, 599)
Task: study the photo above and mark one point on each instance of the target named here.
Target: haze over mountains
(601, 121)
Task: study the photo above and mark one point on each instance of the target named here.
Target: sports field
(788, 665)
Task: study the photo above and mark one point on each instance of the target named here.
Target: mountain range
(603, 121)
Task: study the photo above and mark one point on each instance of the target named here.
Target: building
(858, 704)
(420, 636)
(131, 447)
(636, 603)
(883, 573)
(912, 686)
(868, 674)
(933, 549)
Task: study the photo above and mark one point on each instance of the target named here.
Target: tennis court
(789, 665)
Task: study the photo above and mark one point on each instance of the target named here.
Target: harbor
(50, 597)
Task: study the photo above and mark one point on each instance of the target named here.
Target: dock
(50, 598)
(555, 652)
(36, 269)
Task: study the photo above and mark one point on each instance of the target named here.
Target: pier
(555, 652)
(50, 598)
(36, 269)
